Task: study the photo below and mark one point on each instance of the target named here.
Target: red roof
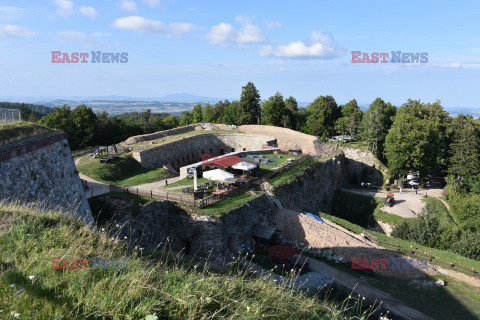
(283, 252)
(226, 161)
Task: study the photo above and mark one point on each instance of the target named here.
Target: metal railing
(10, 116)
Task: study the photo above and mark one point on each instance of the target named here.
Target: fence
(185, 198)
(10, 116)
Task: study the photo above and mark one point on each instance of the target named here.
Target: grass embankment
(163, 285)
(14, 132)
(361, 209)
(456, 300)
(291, 173)
(124, 171)
(227, 205)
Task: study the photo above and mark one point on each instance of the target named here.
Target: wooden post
(151, 194)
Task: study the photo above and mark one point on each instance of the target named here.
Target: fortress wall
(362, 166)
(42, 169)
(189, 150)
(288, 139)
(160, 134)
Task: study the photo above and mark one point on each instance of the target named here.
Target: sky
(213, 48)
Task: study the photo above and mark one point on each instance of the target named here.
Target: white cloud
(140, 24)
(12, 31)
(273, 24)
(128, 5)
(179, 29)
(152, 3)
(64, 7)
(75, 36)
(225, 34)
(89, 11)
(319, 46)
(453, 65)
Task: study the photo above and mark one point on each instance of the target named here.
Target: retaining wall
(189, 150)
(42, 170)
(362, 166)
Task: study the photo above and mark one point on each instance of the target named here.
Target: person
(362, 184)
(413, 189)
(166, 182)
(416, 191)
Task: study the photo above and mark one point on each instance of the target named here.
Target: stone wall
(164, 222)
(189, 150)
(42, 170)
(175, 131)
(362, 166)
(288, 139)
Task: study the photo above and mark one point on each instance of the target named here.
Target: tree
(464, 148)
(418, 138)
(376, 122)
(219, 110)
(84, 123)
(321, 116)
(208, 114)
(250, 109)
(273, 110)
(185, 118)
(291, 112)
(230, 115)
(197, 113)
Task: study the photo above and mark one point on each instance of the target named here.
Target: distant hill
(40, 110)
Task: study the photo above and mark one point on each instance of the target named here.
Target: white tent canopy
(218, 175)
(244, 166)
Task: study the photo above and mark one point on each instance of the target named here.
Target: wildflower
(125, 237)
(13, 313)
(248, 309)
(12, 285)
(113, 239)
(31, 277)
(19, 291)
(103, 229)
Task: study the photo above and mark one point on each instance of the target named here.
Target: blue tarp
(314, 216)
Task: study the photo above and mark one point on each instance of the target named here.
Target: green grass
(408, 245)
(288, 175)
(227, 205)
(14, 132)
(165, 285)
(125, 171)
(184, 182)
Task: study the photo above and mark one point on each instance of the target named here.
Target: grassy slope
(288, 175)
(168, 286)
(125, 171)
(13, 132)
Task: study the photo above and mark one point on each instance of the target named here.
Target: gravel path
(95, 187)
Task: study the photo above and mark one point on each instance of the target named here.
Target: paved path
(95, 187)
(408, 204)
(157, 184)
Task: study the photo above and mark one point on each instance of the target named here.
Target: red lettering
(84, 264)
(365, 264)
(365, 58)
(384, 263)
(356, 262)
(84, 55)
(75, 57)
(65, 58)
(384, 55)
(355, 55)
(374, 57)
(374, 264)
(55, 58)
(55, 263)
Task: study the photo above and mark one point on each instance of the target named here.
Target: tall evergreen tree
(376, 122)
(250, 109)
(322, 114)
(464, 148)
(273, 110)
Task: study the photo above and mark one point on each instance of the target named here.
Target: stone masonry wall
(163, 222)
(42, 170)
(362, 166)
(189, 150)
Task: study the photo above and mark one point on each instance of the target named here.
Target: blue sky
(212, 48)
